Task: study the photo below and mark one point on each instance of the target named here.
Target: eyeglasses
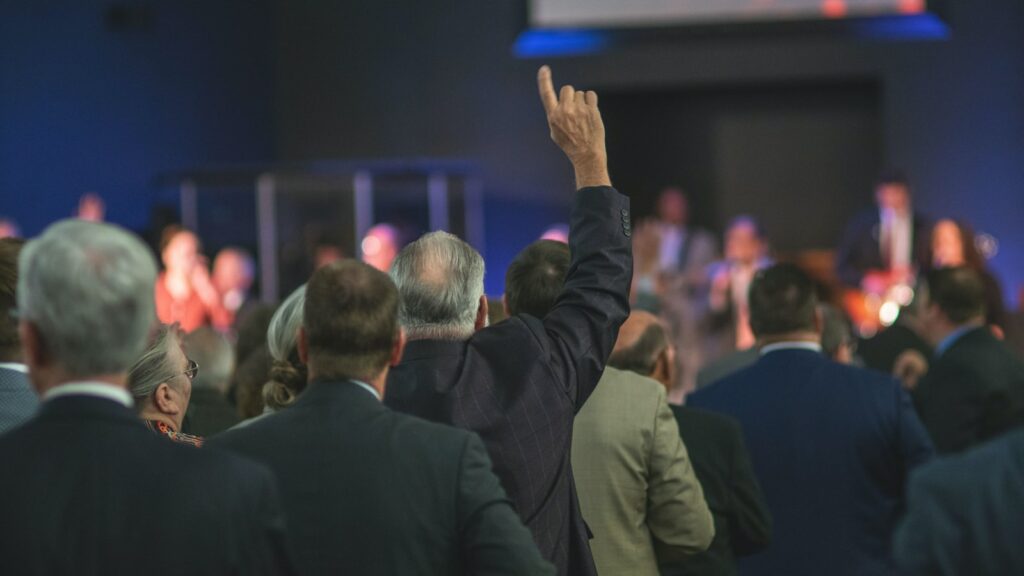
(193, 369)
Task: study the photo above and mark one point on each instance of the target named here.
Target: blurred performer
(184, 293)
(672, 258)
(953, 245)
(746, 252)
(380, 245)
(91, 208)
(9, 228)
(881, 253)
(233, 273)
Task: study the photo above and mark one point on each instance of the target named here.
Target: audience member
(831, 444)
(18, 402)
(746, 252)
(963, 514)
(887, 245)
(974, 389)
(209, 411)
(160, 382)
(91, 208)
(287, 372)
(715, 445)
(380, 245)
(94, 491)
(9, 228)
(184, 293)
(233, 274)
(248, 382)
(887, 350)
(520, 383)
(672, 260)
(626, 446)
(837, 342)
(953, 244)
(367, 489)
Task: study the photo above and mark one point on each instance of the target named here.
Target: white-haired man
(519, 383)
(89, 490)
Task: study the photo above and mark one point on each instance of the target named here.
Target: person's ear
(33, 350)
(504, 305)
(398, 348)
(302, 346)
(481, 314)
(663, 369)
(164, 400)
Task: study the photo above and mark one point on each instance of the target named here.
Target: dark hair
(350, 320)
(10, 342)
(536, 277)
(782, 299)
(893, 176)
(642, 356)
(957, 291)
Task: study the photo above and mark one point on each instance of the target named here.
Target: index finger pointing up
(547, 89)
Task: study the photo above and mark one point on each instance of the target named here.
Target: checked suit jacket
(518, 384)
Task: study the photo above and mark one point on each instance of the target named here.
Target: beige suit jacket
(636, 486)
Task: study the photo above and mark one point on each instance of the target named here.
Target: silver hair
(88, 290)
(215, 356)
(440, 281)
(284, 325)
(154, 366)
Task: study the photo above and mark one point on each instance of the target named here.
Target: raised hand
(577, 128)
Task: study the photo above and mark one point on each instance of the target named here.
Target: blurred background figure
(9, 228)
(233, 274)
(209, 411)
(557, 232)
(837, 340)
(160, 382)
(671, 259)
(184, 293)
(380, 245)
(91, 207)
(953, 244)
(18, 401)
(746, 252)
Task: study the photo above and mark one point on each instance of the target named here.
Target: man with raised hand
(520, 383)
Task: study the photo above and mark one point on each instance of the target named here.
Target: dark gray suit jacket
(18, 401)
(519, 383)
(370, 491)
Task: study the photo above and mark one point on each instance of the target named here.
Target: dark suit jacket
(832, 446)
(90, 491)
(518, 384)
(18, 401)
(209, 413)
(859, 250)
(972, 392)
(743, 525)
(370, 491)
(963, 514)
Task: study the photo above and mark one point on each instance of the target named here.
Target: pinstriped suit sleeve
(582, 326)
(677, 513)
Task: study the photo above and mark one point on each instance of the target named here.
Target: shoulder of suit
(960, 475)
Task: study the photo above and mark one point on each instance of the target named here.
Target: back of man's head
(782, 301)
(642, 347)
(441, 280)
(10, 343)
(350, 321)
(87, 290)
(958, 292)
(536, 277)
(215, 357)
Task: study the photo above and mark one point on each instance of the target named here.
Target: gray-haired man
(519, 383)
(91, 490)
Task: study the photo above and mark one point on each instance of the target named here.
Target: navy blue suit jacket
(832, 446)
(519, 383)
(964, 513)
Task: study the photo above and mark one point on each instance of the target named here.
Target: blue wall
(90, 106)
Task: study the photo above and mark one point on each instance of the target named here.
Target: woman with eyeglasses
(161, 383)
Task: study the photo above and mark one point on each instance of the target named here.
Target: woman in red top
(184, 293)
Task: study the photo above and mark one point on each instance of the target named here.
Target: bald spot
(633, 328)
